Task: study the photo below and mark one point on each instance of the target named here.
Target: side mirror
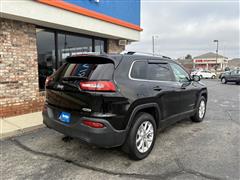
(195, 78)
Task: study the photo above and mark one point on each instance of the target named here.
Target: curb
(20, 131)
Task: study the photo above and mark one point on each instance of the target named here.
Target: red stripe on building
(83, 11)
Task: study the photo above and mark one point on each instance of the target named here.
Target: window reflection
(69, 45)
(99, 46)
(46, 55)
(66, 45)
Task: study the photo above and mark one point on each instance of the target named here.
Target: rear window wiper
(74, 78)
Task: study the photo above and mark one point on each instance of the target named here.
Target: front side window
(235, 72)
(180, 74)
(151, 71)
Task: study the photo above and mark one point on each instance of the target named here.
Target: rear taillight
(107, 86)
(48, 80)
(93, 124)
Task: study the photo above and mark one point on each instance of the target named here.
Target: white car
(204, 74)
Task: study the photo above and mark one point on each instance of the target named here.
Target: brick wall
(19, 91)
(113, 47)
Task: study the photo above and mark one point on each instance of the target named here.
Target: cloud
(189, 27)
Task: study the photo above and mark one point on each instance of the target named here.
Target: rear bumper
(103, 137)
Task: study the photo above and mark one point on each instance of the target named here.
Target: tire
(199, 115)
(134, 148)
(224, 81)
(213, 77)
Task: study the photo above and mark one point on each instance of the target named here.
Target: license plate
(65, 117)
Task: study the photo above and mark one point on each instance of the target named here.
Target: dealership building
(37, 35)
(210, 61)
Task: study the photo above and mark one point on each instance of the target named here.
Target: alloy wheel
(201, 110)
(223, 80)
(144, 136)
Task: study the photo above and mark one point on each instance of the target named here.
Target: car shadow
(49, 143)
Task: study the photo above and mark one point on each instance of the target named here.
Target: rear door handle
(157, 88)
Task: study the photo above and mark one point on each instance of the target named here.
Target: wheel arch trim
(141, 107)
(204, 91)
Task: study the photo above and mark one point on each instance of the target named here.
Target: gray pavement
(184, 151)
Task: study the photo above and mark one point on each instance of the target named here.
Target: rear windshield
(87, 71)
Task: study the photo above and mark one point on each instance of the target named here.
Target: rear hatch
(80, 83)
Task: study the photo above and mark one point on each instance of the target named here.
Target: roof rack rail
(144, 53)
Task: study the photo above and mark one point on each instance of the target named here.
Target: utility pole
(216, 41)
(153, 45)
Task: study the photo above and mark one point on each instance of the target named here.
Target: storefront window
(46, 55)
(65, 44)
(69, 45)
(99, 46)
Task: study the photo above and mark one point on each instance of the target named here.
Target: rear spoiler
(103, 59)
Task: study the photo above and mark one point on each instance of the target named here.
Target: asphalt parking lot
(207, 150)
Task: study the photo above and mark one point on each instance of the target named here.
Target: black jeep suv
(121, 100)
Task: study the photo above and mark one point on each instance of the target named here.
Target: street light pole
(216, 41)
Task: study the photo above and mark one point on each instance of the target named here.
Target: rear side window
(152, 71)
(87, 71)
(160, 72)
(139, 70)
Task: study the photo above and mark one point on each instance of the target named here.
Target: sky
(189, 27)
